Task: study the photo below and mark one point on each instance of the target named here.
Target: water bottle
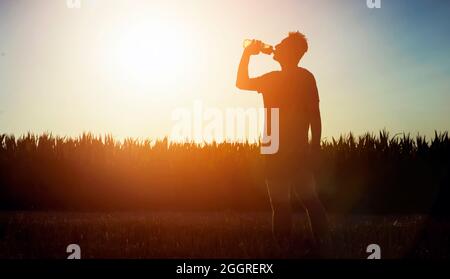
(265, 48)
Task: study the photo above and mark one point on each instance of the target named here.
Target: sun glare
(154, 56)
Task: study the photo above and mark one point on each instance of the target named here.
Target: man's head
(291, 49)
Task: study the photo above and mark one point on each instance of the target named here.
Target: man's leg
(306, 192)
(279, 194)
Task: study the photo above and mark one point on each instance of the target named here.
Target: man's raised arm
(243, 81)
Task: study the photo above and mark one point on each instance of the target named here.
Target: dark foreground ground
(209, 235)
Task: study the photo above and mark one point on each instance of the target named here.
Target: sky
(122, 67)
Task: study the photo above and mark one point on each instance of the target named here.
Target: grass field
(208, 235)
(367, 174)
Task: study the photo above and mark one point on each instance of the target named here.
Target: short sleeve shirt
(293, 93)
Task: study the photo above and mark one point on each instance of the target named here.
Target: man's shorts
(287, 165)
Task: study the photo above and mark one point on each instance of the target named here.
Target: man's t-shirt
(294, 93)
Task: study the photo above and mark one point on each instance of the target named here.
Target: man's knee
(279, 194)
(312, 203)
(281, 206)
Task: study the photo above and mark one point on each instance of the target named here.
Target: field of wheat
(153, 199)
(366, 174)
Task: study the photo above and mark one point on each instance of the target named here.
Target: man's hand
(254, 48)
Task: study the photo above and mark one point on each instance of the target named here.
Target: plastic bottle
(265, 48)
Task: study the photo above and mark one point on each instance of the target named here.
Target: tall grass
(368, 173)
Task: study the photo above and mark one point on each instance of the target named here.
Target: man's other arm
(315, 120)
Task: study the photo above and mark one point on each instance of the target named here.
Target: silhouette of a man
(294, 92)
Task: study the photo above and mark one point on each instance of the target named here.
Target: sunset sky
(122, 67)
